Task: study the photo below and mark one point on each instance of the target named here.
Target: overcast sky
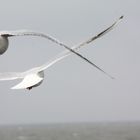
(72, 90)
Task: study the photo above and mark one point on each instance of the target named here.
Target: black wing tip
(121, 17)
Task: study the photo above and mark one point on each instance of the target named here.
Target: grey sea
(72, 131)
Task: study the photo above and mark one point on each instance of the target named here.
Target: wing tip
(121, 17)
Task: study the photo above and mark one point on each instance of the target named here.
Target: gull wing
(57, 59)
(77, 47)
(98, 35)
(10, 76)
(32, 33)
(28, 81)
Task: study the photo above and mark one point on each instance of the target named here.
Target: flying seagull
(34, 77)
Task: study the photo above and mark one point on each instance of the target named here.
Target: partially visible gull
(34, 77)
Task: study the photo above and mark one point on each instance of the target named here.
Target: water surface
(73, 131)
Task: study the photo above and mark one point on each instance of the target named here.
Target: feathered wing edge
(77, 47)
(33, 33)
(98, 35)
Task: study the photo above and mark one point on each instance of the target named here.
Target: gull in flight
(34, 77)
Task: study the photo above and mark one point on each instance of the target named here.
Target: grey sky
(72, 90)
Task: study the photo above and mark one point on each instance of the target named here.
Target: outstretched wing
(31, 33)
(77, 47)
(28, 81)
(98, 35)
(26, 33)
(10, 76)
(57, 59)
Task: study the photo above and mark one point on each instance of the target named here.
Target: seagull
(35, 76)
